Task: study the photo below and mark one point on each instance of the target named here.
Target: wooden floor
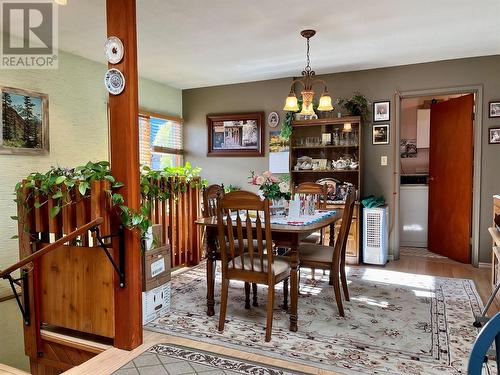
(113, 359)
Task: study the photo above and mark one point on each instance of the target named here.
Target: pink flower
(260, 180)
(267, 174)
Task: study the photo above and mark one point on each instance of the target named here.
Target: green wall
(78, 133)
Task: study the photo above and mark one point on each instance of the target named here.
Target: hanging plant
(286, 126)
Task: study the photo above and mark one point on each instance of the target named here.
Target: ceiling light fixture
(307, 81)
(61, 2)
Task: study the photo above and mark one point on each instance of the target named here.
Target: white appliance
(376, 235)
(413, 208)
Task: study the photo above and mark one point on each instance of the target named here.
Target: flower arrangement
(272, 187)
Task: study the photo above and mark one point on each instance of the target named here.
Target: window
(160, 141)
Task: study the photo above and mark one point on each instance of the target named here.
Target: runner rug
(395, 323)
(168, 359)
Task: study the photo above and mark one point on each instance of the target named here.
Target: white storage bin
(155, 302)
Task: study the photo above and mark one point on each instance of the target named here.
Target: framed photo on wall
(240, 134)
(25, 122)
(494, 136)
(494, 109)
(380, 134)
(381, 111)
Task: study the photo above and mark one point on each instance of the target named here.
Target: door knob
(430, 179)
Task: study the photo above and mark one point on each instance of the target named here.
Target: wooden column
(124, 148)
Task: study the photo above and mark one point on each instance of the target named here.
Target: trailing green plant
(356, 105)
(286, 125)
(60, 185)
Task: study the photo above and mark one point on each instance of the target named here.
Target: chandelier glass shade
(307, 81)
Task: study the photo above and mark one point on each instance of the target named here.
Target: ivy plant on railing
(60, 184)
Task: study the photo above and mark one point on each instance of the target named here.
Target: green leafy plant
(356, 105)
(61, 185)
(286, 125)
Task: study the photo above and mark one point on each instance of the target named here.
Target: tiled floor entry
(166, 359)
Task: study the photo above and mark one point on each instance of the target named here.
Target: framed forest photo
(25, 122)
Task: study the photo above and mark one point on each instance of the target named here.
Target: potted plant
(356, 105)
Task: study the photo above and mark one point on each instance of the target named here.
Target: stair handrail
(51, 247)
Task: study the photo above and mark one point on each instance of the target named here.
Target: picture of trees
(23, 120)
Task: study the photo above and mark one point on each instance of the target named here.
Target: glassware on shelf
(335, 138)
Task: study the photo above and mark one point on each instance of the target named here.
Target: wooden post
(124, 148)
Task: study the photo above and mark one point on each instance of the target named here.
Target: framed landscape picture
(381, 134)
(236, 134)
(381, 111)
(25, 122)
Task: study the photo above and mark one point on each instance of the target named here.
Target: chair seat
(281, 264)
(312, 238)
(315, 253)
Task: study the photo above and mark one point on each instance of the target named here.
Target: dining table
(284, 235)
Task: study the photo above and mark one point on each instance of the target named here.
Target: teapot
(340, 164)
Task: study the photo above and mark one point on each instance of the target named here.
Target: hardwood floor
(113, 359)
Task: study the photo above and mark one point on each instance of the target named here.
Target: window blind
(160, 141)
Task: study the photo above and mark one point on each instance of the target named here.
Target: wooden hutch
(331, 139)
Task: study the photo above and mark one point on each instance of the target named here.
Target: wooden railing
(53, 246)
(177, 215)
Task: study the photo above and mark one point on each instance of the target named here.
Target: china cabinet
(330, 151)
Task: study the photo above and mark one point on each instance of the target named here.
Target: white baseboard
(484, 265)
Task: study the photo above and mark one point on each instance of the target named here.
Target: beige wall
(376, 84)
(78, 133)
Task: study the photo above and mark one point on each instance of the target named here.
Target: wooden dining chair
(319, 193)
(242, 215)
(210, 196)
(332, 257)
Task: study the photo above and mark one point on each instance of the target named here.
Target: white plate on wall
(114, 50)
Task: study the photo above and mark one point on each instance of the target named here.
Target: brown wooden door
(450, 178)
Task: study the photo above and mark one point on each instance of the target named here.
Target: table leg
(294, 283)
(211, 262)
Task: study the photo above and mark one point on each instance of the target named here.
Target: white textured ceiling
(196, 43)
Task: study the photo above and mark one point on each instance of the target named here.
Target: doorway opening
(436, 165)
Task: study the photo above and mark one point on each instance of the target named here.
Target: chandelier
(307, 81)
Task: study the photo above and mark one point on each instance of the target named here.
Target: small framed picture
(381, 111)
(381, 134)
(494, 136)
(273, 119)
(494, 109)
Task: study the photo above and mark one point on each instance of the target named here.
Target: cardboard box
(156, 268)
(154, 237)
(155, 303)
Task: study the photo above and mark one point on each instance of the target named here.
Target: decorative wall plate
(114, 50)
(114, 81)
(273, 119)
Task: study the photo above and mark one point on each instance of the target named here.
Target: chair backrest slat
(210, 196)
(319, 193)
(252, 229)
(341, 242)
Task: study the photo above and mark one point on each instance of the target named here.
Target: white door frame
(477, 90)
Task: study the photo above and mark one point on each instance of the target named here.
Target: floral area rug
(395, 323)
